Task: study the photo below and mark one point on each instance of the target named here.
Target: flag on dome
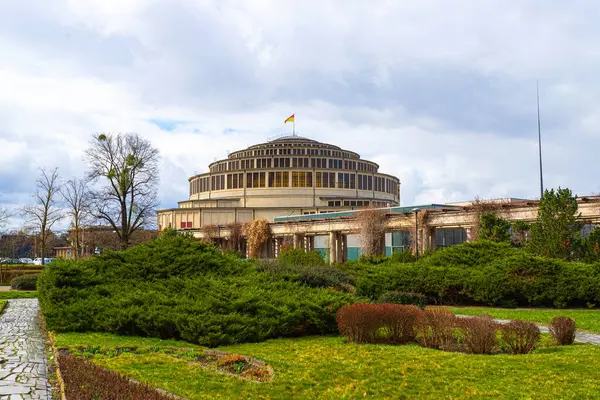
(290, 119)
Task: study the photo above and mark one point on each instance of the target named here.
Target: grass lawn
(585, 319)
(327, 367)
(18, 295)
(2, 304)
(109, 340)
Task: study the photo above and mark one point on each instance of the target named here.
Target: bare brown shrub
(210, 233)
(370, 323)
(86, 381)
(358, 322)
(257, 233)
(436, 327)
(520, 337)
(400, 321)
(372, 226)
(563, 330)
(236, 236)
(478, 334)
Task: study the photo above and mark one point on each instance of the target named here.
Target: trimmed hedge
(485, 273)
(24, 282)
(177, 287)
(395, 297)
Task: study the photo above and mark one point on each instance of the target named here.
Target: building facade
(290, 175)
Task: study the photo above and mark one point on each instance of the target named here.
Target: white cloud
(441, 94)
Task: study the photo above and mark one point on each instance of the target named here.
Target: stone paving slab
(23, 362)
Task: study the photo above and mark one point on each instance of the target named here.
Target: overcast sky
(441, 93)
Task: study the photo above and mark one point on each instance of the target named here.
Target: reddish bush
(86, 381)
(478, 334)
(368, 323)
(563, 330)
(520, 337)
(435, 329)
(400, 321)
(358, 322)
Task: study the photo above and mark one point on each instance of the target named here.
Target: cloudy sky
(441, 94)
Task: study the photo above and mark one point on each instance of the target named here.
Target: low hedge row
(485, 273)
(441, 329)
(24, 282)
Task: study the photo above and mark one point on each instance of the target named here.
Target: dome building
(290, 175)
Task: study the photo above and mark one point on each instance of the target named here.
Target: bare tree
(77, 197)
(371, 223)
(45, 212)
(127, 165)
(4, 216)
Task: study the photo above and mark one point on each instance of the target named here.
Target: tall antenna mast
(539, 139)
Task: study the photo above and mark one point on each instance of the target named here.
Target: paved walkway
(23, 362)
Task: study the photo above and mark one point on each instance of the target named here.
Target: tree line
(119, 189)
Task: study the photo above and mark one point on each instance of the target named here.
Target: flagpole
(294, 126)
(537, 86)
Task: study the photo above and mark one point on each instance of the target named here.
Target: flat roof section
(346, 214)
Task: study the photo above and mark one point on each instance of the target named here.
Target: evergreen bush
(484, 273)
(177, 287)
(395, 297)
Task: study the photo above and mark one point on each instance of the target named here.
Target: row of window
(292, 162)
(349, 203)
(293, 152)
(322, 179)
(402, 240)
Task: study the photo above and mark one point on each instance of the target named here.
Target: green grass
(585, 319)
(329, 368)
(18, 295)
(2, 305)
(74, 339)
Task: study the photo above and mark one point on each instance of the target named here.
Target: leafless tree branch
(76, 195)
(127, 165)
(45, 211)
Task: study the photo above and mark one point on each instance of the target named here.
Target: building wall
(287, 176)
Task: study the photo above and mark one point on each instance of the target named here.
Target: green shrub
(316, 276)
(395, 297)
(176, 287)
(405, 256)
(24, 282)
(484, 273)
(299, 257)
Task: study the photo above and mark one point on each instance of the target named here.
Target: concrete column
(297, 240)
(332, 247)
(431, 240)
(469, 232)
(277, 247)
(342, 248)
